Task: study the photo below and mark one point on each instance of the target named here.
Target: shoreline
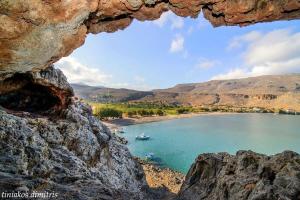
(162, 177)
(117, 123)
(163, 181)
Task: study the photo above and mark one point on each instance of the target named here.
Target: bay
(176, 143)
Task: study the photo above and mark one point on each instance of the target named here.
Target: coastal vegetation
(132, 110)
(107, 111)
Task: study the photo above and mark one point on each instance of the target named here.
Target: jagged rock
(75, 156)
(247, 175)
(35, 34)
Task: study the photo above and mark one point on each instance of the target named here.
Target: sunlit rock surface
(75, 156)
(247, 175)
(36, 33)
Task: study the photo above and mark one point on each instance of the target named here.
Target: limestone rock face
(247, 175)
(75, 156)
(37, 33)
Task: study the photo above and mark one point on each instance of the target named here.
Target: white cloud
(177, 44)
(169, 17)
(163, 19)
(76, 72)
(205, 63)
(232, 74)
(239, 41)
(275, 46)
(275, 52)
(177, 22)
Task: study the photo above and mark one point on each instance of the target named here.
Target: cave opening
(25, 95)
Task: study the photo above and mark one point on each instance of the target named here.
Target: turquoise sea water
(176, 143)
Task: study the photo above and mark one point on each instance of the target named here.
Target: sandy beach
(117, 123)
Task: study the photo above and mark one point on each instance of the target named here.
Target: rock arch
(37, 33)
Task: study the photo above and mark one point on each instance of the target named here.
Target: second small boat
(142, 137)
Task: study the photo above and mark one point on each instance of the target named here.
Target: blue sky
(173, 50)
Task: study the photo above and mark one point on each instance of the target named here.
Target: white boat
(142, 137)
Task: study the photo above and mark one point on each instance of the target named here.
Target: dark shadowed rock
(247, 175)
(41, 91)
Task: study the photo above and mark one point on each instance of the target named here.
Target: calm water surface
(176, 143)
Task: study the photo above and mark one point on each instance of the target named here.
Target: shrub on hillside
(143, 112)
(106, 113)
(160, 112)
(131, 113)
(183, 110)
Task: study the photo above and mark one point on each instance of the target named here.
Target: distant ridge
(104, 94)
(269, 91)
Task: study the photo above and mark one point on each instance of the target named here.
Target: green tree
(143, 112)
(131, 113)
(182, 110)
(105, 113)
(160, 112)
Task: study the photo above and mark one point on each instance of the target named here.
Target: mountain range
(269, 91)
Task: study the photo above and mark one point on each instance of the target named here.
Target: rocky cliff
(247, 175)
(71, 153)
